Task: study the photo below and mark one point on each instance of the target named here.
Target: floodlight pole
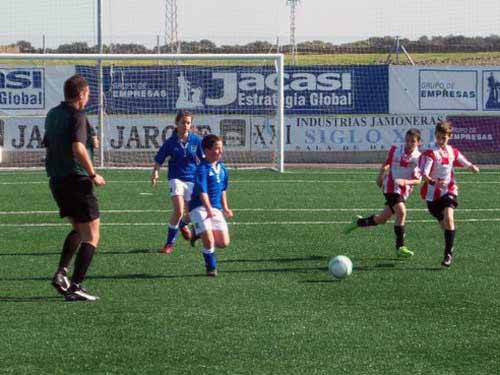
(172, 27)
(293, 7)
(397, 49)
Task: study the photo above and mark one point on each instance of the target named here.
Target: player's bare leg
(173, 225)
(383, 216)
(221, 238)
(183, 224)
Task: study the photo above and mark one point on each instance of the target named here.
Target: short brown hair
(181, 113)
(414, 133)
(73, 86)
(209, 141)
(444, 127)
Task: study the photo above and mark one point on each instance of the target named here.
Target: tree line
(449, 43)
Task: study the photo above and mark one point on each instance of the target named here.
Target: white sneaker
(77, 293)
(60, 282)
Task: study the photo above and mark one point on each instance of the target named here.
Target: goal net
(134, 100)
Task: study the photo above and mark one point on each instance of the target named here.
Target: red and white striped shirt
(437, 164)
(402, 165)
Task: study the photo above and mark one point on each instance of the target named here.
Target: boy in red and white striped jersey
(397, 176)
(440, 189)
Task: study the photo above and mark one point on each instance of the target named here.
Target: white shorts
(202, 223)
(182, 188)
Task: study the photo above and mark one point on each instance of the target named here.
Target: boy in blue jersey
(208, 205)
(184, 151)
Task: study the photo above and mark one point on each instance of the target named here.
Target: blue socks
(172, 233)
(210, 260)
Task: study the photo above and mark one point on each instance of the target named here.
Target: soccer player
(184, 151)
(69, 141)
(440, 189)
(208, 205)
(397, 176)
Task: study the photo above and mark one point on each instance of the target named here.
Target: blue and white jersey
(184, 157)
(212, 180)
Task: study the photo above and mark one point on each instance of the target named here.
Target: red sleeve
(390, 155)
(427, 159)
(429, 154)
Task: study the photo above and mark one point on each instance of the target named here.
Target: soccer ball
(340, 266)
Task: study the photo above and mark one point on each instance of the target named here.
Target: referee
(69, 140)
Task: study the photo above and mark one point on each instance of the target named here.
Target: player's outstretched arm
(228, 213)
(381, 173)
(205, 200)
(155, 175)
(473, 168)
(405, 182)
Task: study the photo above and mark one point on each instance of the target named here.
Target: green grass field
(434, 58)
(273, 309)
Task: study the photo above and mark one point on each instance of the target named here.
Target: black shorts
(392, 199)
(436, 208)
(75, 197)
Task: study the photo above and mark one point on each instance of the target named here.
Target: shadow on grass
(29, 254)
(386, 266)
(202, 274)
(31, 299)
(103, 252)
(381, 265)
(278, 270)
(277, 260)
(99, 251)
(326, 281)
(144, 276)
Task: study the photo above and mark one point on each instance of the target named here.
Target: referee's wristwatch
(92, 176)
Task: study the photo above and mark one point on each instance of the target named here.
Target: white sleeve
(426, 165)
(461, 161)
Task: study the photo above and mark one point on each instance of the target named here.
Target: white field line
(332, 171)
(372, 173)
(24, 225)
(250, 182)
(364, 209)
(232, 182)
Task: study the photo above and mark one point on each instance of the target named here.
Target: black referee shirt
(64, 125)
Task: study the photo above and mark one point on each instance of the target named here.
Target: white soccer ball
(340, 266)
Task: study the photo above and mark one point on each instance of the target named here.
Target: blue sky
(237, 21)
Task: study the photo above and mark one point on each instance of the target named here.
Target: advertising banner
(476, 133)
(321, 89)
(22, 133)
(491, 89)
(356, 133)
(453, 90)
(445, 90)
(243, 132)
(28, 90)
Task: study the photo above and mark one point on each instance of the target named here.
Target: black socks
(399, 230)
(82, 262)
(449, 239)
(367, 221)
(69, 248)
